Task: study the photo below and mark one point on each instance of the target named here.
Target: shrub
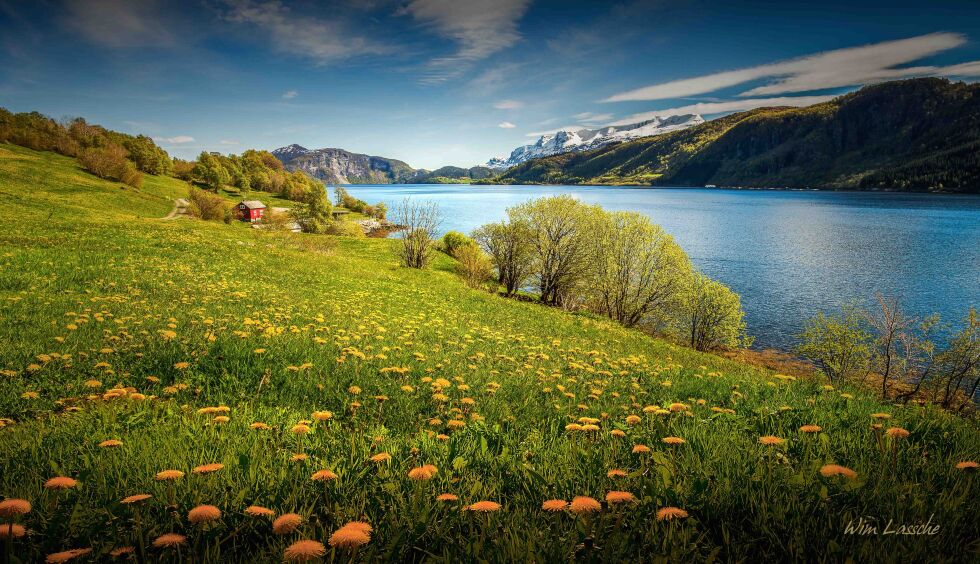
(346, 229)
(473, 265)
(209, 207)
(110, 162)
(421, 219)
(838, 344)
(712, 315)
(453, 240)
(510, 250)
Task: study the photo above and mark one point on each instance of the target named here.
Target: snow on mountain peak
(567, 140)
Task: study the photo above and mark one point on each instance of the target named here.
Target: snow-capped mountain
(567, 140)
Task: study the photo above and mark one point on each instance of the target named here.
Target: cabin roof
(253, 204)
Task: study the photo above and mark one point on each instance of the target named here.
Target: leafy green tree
(638, 272)
(510, 250)
(712, 315)
(315, 214)
(211, 172)
(839, 345)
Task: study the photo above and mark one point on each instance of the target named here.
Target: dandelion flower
(881, 416)
(322, 415)
(770, 440)
(554, 505)
(258, 425)
(208, 468)
(897, 433)
(485, 506)
(122, 551)
(60, 483)
(299, 457)
(447, 497)
(259, 511)
(304, 550)
(829, 470)
(300, 429)
(584, 504)
(135, 498)
(203, 514)
(323, 476)
(111, 443)
(13, 507)
(675, 407)
(673, 440)
(67, 555)
(11, 531)
(616, 473)
(286, 524)
(169, 475)
(620, 497)
(966, 466)
(637, 449)
(381, 457)
(669, 513)
(617, 433)
(169, 540)
(811, 429)
(420, 474)
(349, 537)
(632, 419)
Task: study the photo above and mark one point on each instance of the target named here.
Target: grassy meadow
(249, 361)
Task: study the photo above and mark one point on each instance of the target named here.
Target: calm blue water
(788, 254)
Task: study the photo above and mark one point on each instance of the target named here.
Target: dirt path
(180, 208)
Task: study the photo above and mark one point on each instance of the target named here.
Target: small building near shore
(251, 210)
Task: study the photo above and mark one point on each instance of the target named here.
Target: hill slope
(921, 134)
(197, 343)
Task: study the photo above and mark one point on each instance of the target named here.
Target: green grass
(97, 293)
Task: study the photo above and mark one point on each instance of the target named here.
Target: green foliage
(839, 345)
(453, 240)
(209, 207)
(712, 315)
(346, 229)
(912, 135)
(210, 171)
(473, 265)
(110, 162)
(315, 214)
(511, 253)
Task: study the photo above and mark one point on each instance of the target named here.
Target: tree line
(582, 257)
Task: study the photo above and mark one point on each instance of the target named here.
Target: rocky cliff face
(337, 166)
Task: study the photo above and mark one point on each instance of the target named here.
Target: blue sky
(437, 82)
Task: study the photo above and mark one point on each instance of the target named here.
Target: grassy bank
(116, 325)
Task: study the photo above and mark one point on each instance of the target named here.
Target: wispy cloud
(851, 66)
(289, 94)
(712, 108)
(506, 125)
(480, 28)
(508, 105)
(324, 41)
(591, 118)
(120, 23)
(180, 139)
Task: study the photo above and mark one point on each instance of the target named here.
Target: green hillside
(913, 135)
(250, 360)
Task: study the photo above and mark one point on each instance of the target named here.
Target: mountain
(567, 140)
(337, 166)
(912, 135)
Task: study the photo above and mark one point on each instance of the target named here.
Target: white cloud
(229, 142)
(178, 139)
(506, 125)
(508, 105)
(591, 118)
(324, 41)
(289, 94)
(830, 69)
(710, 108)
(119, 23)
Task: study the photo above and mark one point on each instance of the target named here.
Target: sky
(452, 82)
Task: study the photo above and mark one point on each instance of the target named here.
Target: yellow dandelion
(616, 473)
(323, 476)
(633, 419)
(169, 475)
(135, 498)
(122, 551)
(770, 440)
(639, 449)
(169, 540)
(11, 531)
(299, 457)
(260, 426)
(13, 507)
(304, 550)
(66, 555)
(554, 505)
(208, 468)
(259, 511)
(381, 457)
(584, 504)
(967, 466)
(617, 433)
(60, 483)
(620, 497)
(881, 416)
(203, 514)
(349, 537)
(300, 429)
(447, 497)
(673, 440)
(897, 433)
(670, 513)
(811, 429)
(286, 523)
(485, 507)
(829, 470)
(322, 415)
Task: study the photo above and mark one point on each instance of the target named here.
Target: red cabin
(251, 210)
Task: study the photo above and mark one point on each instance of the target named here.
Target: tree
(420, 221)
(510, 250)
(473, 265)
(211, 172)
(888, 323)
(638, 271)
(560, 230)
(316, 213)
(713, 315)
(838, 344)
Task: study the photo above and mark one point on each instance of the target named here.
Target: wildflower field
(178, 390)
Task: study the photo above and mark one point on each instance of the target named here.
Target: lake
(788, 254)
